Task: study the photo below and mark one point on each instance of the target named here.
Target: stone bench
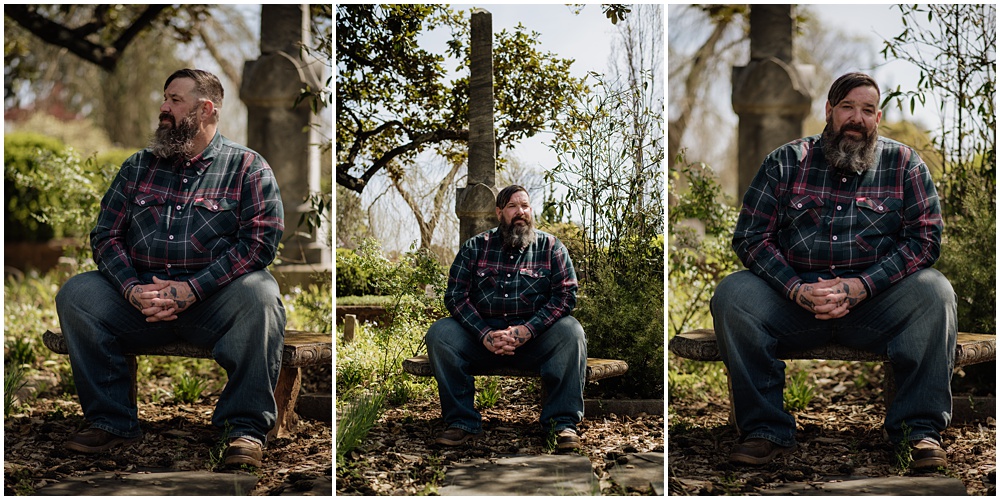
(301, 349)
(597, 369)
(701, 345)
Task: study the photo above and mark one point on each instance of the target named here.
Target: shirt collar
(204, 160)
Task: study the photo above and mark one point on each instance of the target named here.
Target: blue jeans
(559, 354)
(243, 323)
(914, 322)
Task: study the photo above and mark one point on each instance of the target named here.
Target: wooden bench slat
(597, 369)
(701, 345)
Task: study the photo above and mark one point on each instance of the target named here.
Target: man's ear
(207, 108)
(498, 212)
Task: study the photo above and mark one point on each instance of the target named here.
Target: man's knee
(934, 288)
(440, 332)
(735, 289)
(78, 291)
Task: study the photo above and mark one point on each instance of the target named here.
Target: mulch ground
(839, 434)
(400, 458)
(177, 437)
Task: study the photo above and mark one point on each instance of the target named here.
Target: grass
(188, 389)
(489, 392)
(364, 300)
(356, 420)
(799, 392)
(13, 381)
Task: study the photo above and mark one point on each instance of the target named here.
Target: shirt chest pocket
(879, 221)
(214, 223)
(804, 211)
(147, 210)
(486, 279)
(535, 285)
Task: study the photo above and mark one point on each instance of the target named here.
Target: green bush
(636, 315)
(968, 259)
(352, 278)
(21, 158)
(311, 308)
(50, 191)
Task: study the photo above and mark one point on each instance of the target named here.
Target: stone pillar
(475, 203)
(279, 132)
(770, 93)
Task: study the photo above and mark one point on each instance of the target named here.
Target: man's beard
(846, 154)
(175, 141)
(517, 236)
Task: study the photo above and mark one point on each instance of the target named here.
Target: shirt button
(168, 266)
(798, 206)
(171, 237)
(844, 179)
(880, 208)
(508, 275)
(179, 207)
(505, 295)
(839, 207)
(143, 202)
(833, 267)
(188, 164)
(834, 238)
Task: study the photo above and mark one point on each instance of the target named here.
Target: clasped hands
(503, 342)
(162, 300)
(830, 299)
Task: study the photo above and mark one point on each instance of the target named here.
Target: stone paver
(640, 472)
(854, 486)
(193, 483)
(569, 474)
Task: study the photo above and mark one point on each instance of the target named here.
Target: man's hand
(499, 342)
(831, 299)
(175, 295)
(503, 342)
(141, 297)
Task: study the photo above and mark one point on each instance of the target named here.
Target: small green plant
(356, 420)
(13, 381)
(799, 392)
(20, 351)
(217, 454)
(188, 389)
(904, 451)
(551, 438)
(489, 392)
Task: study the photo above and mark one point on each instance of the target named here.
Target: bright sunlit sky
(586, 38)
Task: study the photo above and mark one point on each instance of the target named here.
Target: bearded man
(181, 245)
(838, 232)
(510, 292)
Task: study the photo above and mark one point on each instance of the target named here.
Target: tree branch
(51, 32)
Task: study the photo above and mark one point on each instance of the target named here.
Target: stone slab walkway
(193, 483)
(563, 475)
(854, 486)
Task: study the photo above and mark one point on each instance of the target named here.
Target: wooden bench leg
(133, 369)
(285, 395)
(888, 385)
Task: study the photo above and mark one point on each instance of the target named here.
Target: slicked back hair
(206, 85)
(506, 193)
(846, 83)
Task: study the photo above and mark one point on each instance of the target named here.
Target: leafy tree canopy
(394, 99)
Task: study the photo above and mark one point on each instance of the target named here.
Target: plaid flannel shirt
(802, 220)
(533, 287)
(206, 221)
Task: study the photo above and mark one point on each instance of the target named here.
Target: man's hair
(206, 85)
(506, 193)
(846, 83)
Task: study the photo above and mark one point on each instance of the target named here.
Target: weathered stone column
(770, 94)
(475, 203)
(280, 132)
